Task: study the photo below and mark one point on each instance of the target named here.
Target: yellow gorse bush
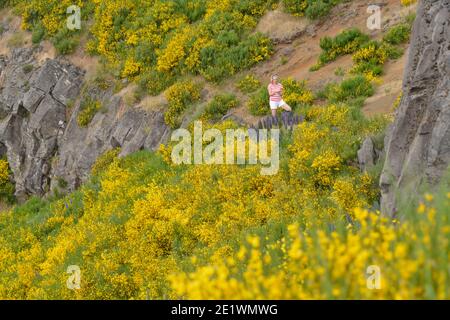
(295, 92)
(171, 56)
(316, 264)
(370, 53)
(51, 13)
(6, 186)
(407, 2)
(180, 96)
(4, 171)
(131, 68)
(369, 61)
(138, 37)
(144, 228)
(141, 221)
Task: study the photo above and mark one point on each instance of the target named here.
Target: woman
(276, 96)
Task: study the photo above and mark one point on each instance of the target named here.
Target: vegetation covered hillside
(145, 228)
(157, 41)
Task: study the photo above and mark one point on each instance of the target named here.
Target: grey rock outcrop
(418, 143)
(39, 133)
(367, 154)
(30, 116)
(118, 126)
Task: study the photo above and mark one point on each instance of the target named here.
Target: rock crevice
(418, 142)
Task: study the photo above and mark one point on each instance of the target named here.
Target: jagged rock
(160, 132)
(30, 128)
(122, 127)
(47, 76)
(32, 98)
(69, 85)
(418, 144)
(3, 63)
(366, 155)
(311, 30)
(288, 51)
(44, 143)
(22, 56)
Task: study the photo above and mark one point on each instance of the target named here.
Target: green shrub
(349, 41)
(365, 67)
(249, 84)
(219, 106)
(27, 68)
(258, 105)
(348, 89)
(62, 183)
(4, 3)
(410, 18)
(393, 52)
(38, 34)
(339, 71)
(369, 59)
(319, 8)
(175, 37)
(312, 9)
(88, 109)
(254, 7)
(398, 34)
(65, 41)
(154, 82)
(218, 61)
(194, 10)
(180, 96)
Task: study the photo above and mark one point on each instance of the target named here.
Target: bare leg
(286, 107)
(274, 113)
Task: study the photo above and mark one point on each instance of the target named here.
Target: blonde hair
(273, 77)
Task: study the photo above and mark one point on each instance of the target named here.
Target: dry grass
(281, 27)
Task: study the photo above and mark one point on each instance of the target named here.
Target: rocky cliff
(39, 133)
(418, 143)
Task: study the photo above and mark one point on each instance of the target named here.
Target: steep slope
(295, 55)
(418, 145)
(142, 227)
(67, 161)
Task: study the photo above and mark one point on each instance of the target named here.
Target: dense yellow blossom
(143, 220)
(131, 68)
(408, 2)
(145, 228)
(180, 96)
(332, 265)
(4, 171)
